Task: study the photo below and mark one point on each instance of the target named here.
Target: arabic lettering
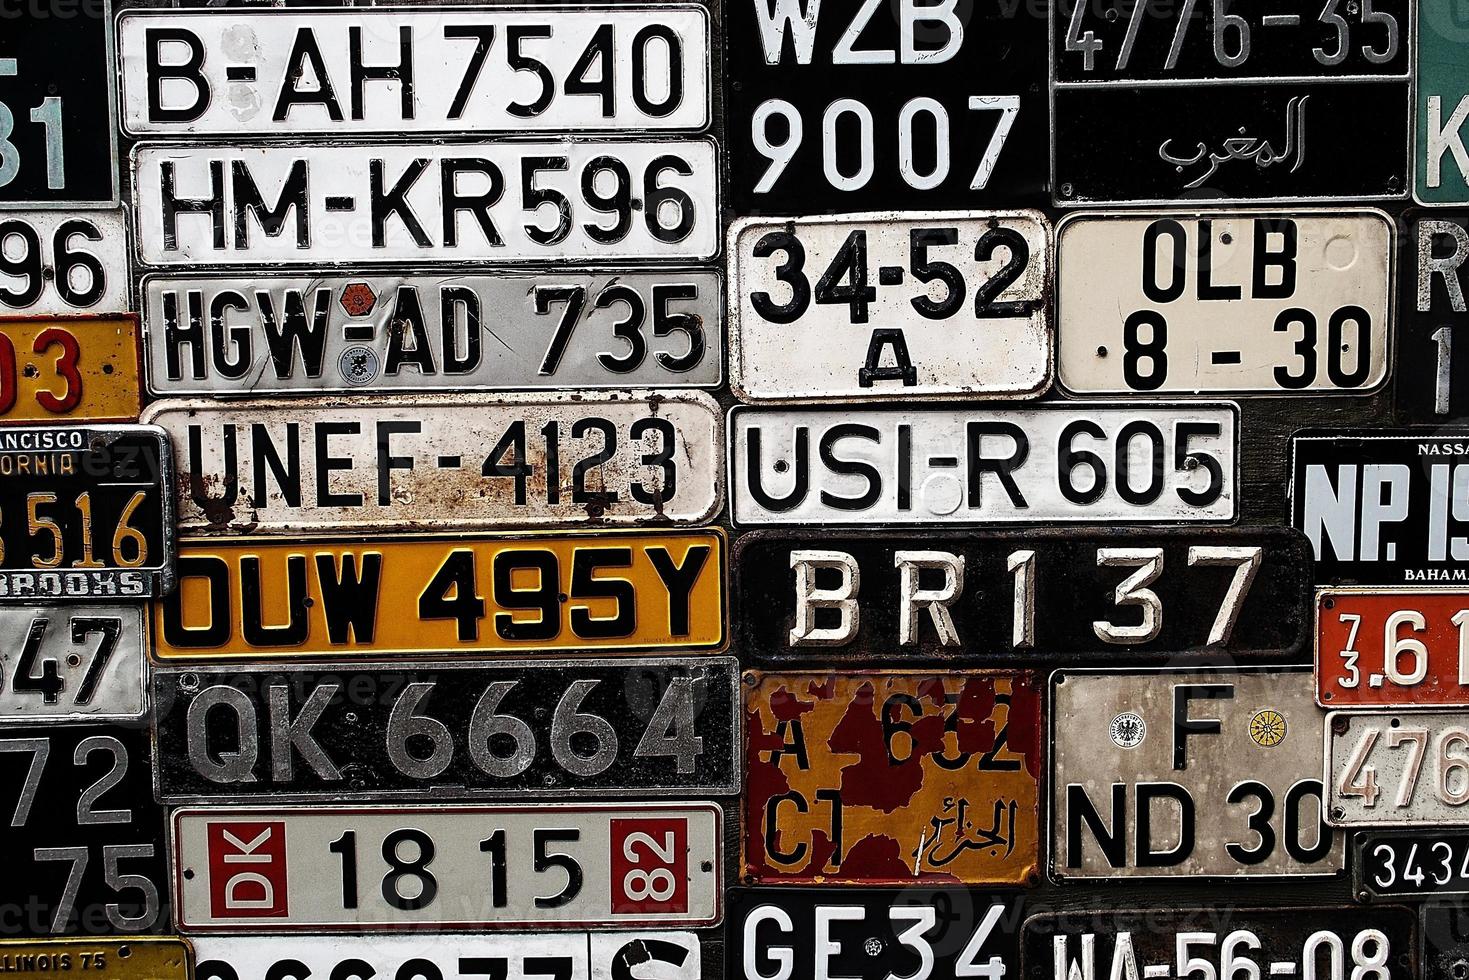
(1244, 147)
(963, 835)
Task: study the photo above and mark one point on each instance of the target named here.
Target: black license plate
(924, 595)
(84, 850)
(1157, 101)
(1175, 943)
(1411, 864)
(86, 512)
(879, 105)
(1432, 364)
(871, 934)
(58, 129)
(448, 731)
(1445, 942)
(1384, 506)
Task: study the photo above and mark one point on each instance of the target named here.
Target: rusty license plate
(1391, 647)
(69, 368)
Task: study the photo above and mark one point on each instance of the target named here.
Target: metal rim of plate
(404, 8)
(734, 346)
(388, 797)
(960, 406)
(1323, 592)
(388, 265)
(1112, 212)
(1328, 784)
(1049, 784)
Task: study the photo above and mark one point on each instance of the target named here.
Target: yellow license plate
(140, 958)
(435, 594)
(71, 368)
(889, 778)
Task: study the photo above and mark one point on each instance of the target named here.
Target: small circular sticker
(1128, 729)
(1267, 728)
(872, 946)
(358, 366)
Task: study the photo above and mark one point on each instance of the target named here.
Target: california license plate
(1397, 768)
(76, 663)
(431, 595)
(892, 778)
(86, 512)
(1392, 647)
(1224, 303)
(876, 306)
(549, 866)
(450, 461)
(69, 369)
(288, 335)
(1187, 773)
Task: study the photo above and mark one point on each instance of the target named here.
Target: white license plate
(1397, 768)
(60, 262)
(426, 70)
(565, 956)
(882, 306)
(1257, 303)
(487, 867)
(580, 201)
(444, 461)
(206, 335)
(1125, 463)
(71, 662)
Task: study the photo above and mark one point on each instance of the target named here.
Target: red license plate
(1387, 647)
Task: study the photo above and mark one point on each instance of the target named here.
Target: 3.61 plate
(1389, 647)
(448, 730)
(432, 595)
(550, 866)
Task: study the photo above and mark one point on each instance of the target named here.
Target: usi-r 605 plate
(430, 595)
(548, 866)
(803, 596)
(1383, 506)
(871, 934)
(379, 731)
(84, 846)
(1187, 774)
(1156, 102)
(81, 663)
(892, 778)
(345, 204)
(956, 464)
(1397, 768)
(429, 69)
(1254, 303)
(444, 461)
(1178, 943)
(1391, 647)
(69, 369)
(874, 306)
(589, 956)
(85, 513)
(64, 262)
(1428, 863)
(284, 335)
(1432, 376)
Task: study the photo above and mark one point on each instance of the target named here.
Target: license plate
(1439, 177)
(590, 956)
(1389, 647)
(1411, 864)
(844, 107)
(69, 369)
(1432, 378)
(447, 730)
(892, 778)
(1383, 506)
(1135, 463)
(58, 94)
(381, 463)
(1162, 103)
(60, 262)
(70, 663)
(563, 201)
(84, 852)
(204, 335)
(1397, 769)
(1445, 940)
(136, 958)
(870, 934)
(1187, 774)
(435, 70)
(1224, 303)
(430, 595)
(1165, 943)
(86, 512)
(550, 866)
(876, 597)
(879, 306)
